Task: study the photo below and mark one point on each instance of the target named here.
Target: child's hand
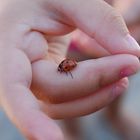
(31, 49)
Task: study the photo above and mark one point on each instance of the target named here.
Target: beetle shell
(67, 65)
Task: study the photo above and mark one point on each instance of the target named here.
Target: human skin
(130, 10)
(33, 43)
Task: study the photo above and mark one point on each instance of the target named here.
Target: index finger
(88, 77)
(100, 21)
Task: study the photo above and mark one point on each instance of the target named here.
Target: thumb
(100, 21)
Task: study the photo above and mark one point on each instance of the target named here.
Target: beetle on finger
(67, 65)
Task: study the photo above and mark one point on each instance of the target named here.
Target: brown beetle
(67, 65)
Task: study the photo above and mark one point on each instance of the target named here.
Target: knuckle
(113, 15)
(94, 75)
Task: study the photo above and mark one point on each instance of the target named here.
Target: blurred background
(118, 121)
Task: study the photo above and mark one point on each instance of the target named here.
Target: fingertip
(120, 87)
(132, 42)
(132, 68)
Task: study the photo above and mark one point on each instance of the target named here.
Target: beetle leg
(71, 74)
(66, 73)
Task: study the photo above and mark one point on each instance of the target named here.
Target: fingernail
(132, 42)
(127, 72)
(120, 87)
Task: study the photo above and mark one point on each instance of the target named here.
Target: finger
(88, 104)
(100, 21)
(18, 101)
(34, 45)
(88, 46)
(23, 110)
(88, 77)
(58, 47)
(110, 1)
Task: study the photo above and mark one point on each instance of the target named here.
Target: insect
(67, 65)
